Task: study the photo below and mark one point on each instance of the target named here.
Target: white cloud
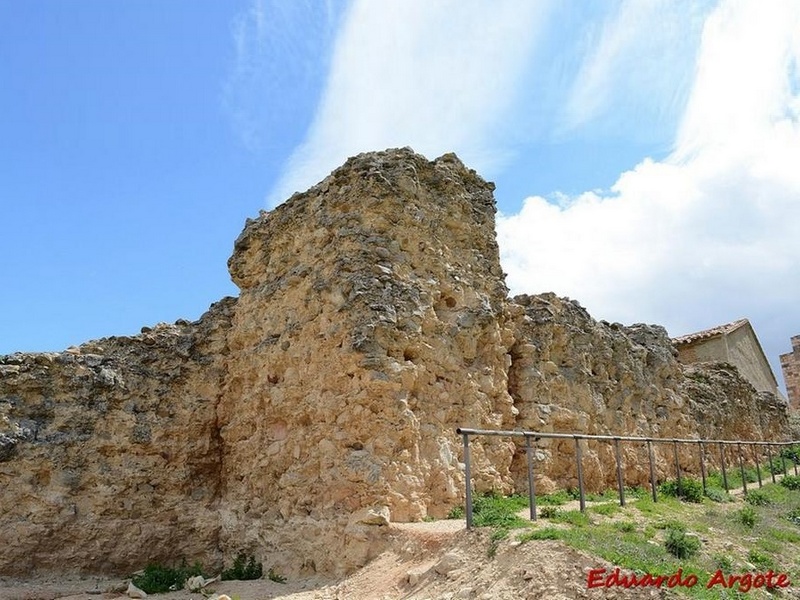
(437, 76)
(634, 66)
(710, 234)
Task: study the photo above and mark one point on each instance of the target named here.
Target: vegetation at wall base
(244, 568)
(157, 579)
(689, 489)
(493, 510)
(791, 482)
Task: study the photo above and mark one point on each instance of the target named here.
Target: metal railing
(616, 439)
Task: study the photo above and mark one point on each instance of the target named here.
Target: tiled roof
(710, 333)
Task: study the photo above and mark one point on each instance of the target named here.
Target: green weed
(747, 516)
(680, 544)
(690, 489)
(244, 568)
(157, 579)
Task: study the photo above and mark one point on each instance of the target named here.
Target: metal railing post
(620, 484)
(652, 470)
(617, 439)
(703, 465)
(783, 462)
(741, 468)
(531, 484)
(771, 466)
(469, 480)
(758, 465)
(580, 473)
(722, 463)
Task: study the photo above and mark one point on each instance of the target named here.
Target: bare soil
(440, 560)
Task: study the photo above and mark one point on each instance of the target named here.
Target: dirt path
(437, 560)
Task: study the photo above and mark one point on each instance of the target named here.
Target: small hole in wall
(410, 354)
(449, 301)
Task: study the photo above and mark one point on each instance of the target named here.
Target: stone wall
(790, 365)
(109, 453)
(296, 421)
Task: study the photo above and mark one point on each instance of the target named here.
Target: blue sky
(645, 153)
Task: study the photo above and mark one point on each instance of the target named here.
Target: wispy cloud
(636, 67)
(710, 234)
(281, 58)
(434, 75)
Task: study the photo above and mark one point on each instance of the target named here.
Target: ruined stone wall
(370, 325)
(296, 421)
(571, 373)
(108, 452)
(790, 365)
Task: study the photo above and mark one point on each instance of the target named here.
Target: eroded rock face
(116, 455)
(571, 373)
(376, 327)
(298, 420)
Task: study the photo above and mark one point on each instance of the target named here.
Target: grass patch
(547, 533)
(717, 494)
(690, 490)
(493, 510)
(607, 509)
(661, 537)
(555, 499)
(158, 579)
(572, 517)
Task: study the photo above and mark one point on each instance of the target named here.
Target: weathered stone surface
(118, 460)
(571, 373)
(297, 421)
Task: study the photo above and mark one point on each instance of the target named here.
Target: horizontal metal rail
(616, 439)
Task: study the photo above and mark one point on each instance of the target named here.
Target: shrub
(723, 562)
(273, 576)
(747, 516)
(757, 498)
(625, 526)
(791, 453)
(680, 544)
(691, 490)
(157, 579)
(717, 494)
(794, 516)
(760, 560)
(548, 512)
(457, 512)
(791, 482)
(243, 568)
